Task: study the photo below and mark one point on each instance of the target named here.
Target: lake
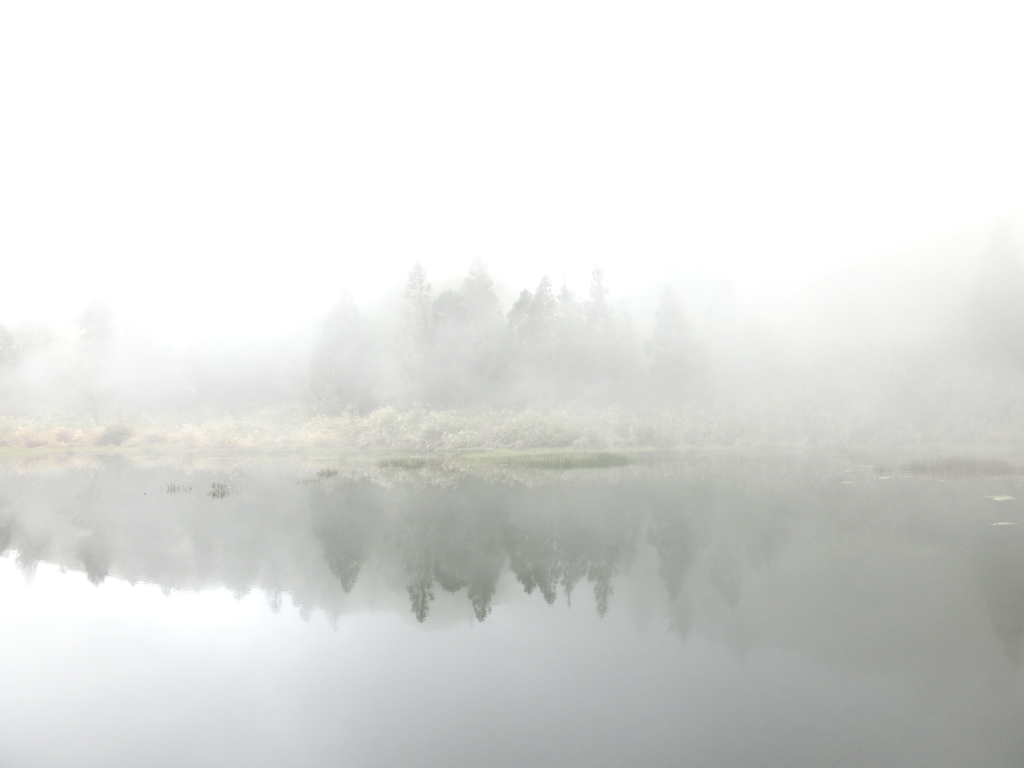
(704, 610)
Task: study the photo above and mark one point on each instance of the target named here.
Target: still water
(706, 612)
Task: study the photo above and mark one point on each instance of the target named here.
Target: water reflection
(729, 611)
(823, 556)
(1001, 574)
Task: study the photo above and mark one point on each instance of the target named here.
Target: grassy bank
(552, 438)
(415, 431)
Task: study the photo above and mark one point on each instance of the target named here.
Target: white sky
(228, 169)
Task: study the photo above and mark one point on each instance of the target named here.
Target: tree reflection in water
(774, 544)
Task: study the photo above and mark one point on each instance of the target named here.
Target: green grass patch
(566, 460)
(959, 467)
(411, 462)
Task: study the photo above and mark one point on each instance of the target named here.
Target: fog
(554, 383)
(238, 196)
(919, 346)
(223, 171)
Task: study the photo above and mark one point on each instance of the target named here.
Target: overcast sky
(230, 168)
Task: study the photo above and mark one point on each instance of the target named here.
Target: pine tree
(482, 304)
(540, 316)
(996, 320)
(671, 348)
(596, 310)
(417, 305)
(6, 346)
(345, 367)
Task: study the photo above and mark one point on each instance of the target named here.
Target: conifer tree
(540, 316)
(671, 348)
(6, 346)
(345, 368)
(597, 312)
(417, 305)
(482, 304)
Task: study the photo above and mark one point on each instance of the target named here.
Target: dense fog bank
(938, 357)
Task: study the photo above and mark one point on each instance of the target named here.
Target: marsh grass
(591, 460)
(402, 438)
(220, 490)
(321, 474)
(113, 435)
(411, 462)
(957, 467)
(414, 432)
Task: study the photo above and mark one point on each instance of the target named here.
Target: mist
(823, 193)
(916, 347)
(550, 383)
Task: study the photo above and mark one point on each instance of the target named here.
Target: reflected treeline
(818, 553)
(1001, 571)
(461, 537)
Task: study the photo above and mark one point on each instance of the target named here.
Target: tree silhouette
(996, 325)
(445, 375)
(416, 309)
(671, 348)
(96, 324)
(421, 594)
(455, 537)
(533, 558)
(459, 350)
(672, 537)
(561, 538)
(6, 346)
(345, 521)
(449, 311)
(596, 310)
(482, 304)
(345, 370)
(1000, 563)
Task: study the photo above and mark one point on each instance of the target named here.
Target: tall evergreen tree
(346, 368)
(416, 311)
(996, 323)
(448, 310)
(671, 348)
(597, 312)
(540, 316)
(482, 341)
(568, 307)
(518, 314)
(482, 305)
(6, 346)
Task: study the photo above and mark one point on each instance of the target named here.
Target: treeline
(460, 348)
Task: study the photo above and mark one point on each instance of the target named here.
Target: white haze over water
(223, 171)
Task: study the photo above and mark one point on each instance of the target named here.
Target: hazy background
(816, 184)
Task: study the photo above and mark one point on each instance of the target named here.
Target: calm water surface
(709, 613)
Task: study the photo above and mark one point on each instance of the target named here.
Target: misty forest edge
(454, 371)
